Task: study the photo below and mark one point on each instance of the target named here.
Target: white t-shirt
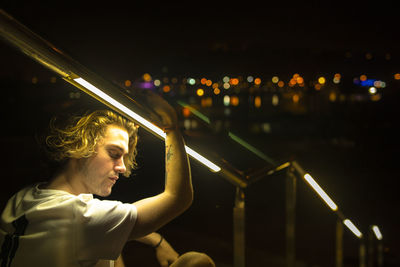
(45, 227)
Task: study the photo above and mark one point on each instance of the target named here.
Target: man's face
(100, 171)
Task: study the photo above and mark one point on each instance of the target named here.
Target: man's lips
(113, 179)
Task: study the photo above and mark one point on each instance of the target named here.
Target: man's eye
(114, 155)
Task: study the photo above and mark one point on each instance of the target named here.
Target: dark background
(351, 150)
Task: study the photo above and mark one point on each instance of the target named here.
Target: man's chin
(104, 193)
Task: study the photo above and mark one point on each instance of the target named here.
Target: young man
(59, 223)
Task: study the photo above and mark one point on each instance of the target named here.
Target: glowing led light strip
(352, 228)
(320, 192)
(377, 232)
(142, 121)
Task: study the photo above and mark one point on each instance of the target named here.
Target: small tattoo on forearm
(169, 152)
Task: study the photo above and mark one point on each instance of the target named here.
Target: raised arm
(177, 196)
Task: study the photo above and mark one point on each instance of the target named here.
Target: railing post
(239, 229)
(339, 243)
(290, 217)
(380, 253)
(370, 250)
(362, 253)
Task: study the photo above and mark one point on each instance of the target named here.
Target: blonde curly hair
(78, 139)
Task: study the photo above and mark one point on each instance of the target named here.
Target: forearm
(178, 181)
(152, 239)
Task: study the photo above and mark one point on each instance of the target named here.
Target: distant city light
(203, 81)
(235, 101)
(397, 76)
(275, 100)
(332, 96)
(217, 91)
(157, 82)
(128, 83)
(226, 79)
(363, 77)
(281, 84)
(321, 80)
(227, 100)
(372, 90)
(275, 79)
(296, 98)
(146, 77)
(257, 81)
(186, 112)
(226, 85)
(250, 79)
(234, 81)
(257, 101)
(191, 81)
(166, 88)
(200, 92)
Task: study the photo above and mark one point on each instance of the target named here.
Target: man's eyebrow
(117, 147)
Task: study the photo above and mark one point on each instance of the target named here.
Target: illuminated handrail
(108, 93)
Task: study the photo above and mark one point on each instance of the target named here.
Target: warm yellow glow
(275, 100)
(200, 92)
(226, 85)
(321, 80)
(128, 83)
(186, 112)
(377, 232)
(332, 96)
(281, 84)
(146, 77)
(166, 88)
(111, 101)
(299, 80)
(275, 79)
(235, 101)
(206, 102)
(295, 98)
(257, 101)
(234, 81)
(209, 82)
(215, 85)
(320, 191)
(217, 91)
(352, 228)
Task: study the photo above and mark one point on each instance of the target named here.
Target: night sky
(203, 38)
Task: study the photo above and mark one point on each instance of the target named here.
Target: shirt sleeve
(103, 228)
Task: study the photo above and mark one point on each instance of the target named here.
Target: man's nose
(120, 166)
